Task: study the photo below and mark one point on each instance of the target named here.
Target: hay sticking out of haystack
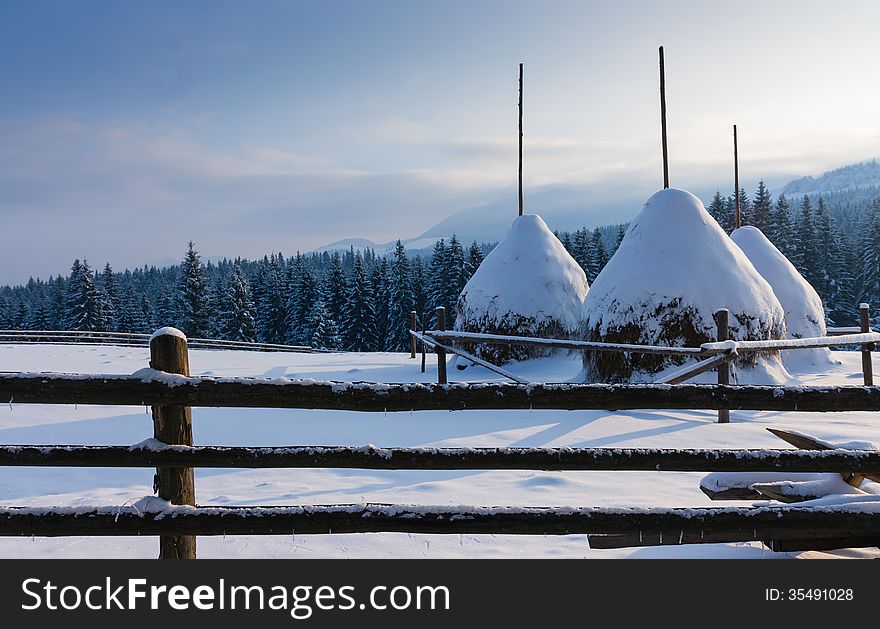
(804, 313)
(674, 268)
(528, 285)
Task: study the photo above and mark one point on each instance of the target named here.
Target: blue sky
(128, 128)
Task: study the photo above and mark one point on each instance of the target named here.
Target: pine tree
(324, 332)
(272, 297)
(828, 255)
(420, 297)
(166, 314)
(599, 255)
(238, 317)
(581, 251)
(334, 288)
(621, 233)
(83, 303)
(110, 304)
(146, 321)
(5, 313)
(40, 317)
(304, 291)
(359, 318)
(438, 279)
(761, 208)
(718, 209)
(781, 232)
(193, 296)
(458, 277)
(22, 317)
(868, 278)
(476, 256)
(128, 320)
(745, 208)
(806, 251)
(57, 300)
(401, 300)
(382, 302)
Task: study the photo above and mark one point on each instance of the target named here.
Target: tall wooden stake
(173, 425)
(663, 119)
(441, 353)
(867, 368)
(520, 139)
(738, 221)
(723, 334)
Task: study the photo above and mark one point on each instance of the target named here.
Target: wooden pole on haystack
(520, 139)
(663, 119)
(738, 221)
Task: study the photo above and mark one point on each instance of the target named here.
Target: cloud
(131, 195)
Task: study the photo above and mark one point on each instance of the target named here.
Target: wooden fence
(713, 356)
(176, 519)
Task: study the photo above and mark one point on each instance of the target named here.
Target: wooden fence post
(867, 368)
(723, 334)
(412, 339)
(173, 425)
(441, 353)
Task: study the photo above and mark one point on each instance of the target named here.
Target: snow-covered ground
(45, 424)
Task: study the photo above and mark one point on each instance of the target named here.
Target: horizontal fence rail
(569, 459)
(500, 339)
(746, 523)
(706, 349)
(157, 388)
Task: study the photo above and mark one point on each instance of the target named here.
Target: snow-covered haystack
(528, 285)
(674, 268)
(804, 314)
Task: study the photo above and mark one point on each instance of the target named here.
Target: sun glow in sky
(128, 128)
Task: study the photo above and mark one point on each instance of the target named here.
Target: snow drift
(804, 314)
(528, 285)
(674, 268)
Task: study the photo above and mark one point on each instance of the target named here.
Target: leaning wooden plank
(787, 492)
(479, 361)
(757, 523)
(807, 442)
(689, 371)
(152, 453)
(733, 493)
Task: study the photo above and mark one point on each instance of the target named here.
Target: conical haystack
(528, 285)
(804, 314)
(674, 268)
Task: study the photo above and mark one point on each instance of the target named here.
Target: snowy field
(45, 424)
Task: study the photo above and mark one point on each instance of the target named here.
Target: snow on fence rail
(678, 526)
(176, 519)
(155, 453)
(158, 389)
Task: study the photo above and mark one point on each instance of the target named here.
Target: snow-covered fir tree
(83, 304)
(193, 296)
(401, 300)
(359, 319)
(238, 316)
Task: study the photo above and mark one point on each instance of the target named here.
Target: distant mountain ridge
(853, 176)
(568, 208)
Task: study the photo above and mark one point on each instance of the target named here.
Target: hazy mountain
(853, 176)
(563, 208)
(568, 208)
